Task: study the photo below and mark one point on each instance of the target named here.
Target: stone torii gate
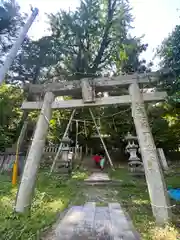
(88, 88)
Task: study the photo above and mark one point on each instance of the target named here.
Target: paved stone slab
(87, 223)
(98, 177)
(102, 223)
(95, 223)
(67, 227)
(121, 228)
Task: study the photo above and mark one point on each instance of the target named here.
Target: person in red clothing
(97, 158)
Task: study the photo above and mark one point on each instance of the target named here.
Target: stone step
(103, 183)
(98, 176)
(91, 222)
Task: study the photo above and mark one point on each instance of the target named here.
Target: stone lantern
(135, 163)
(65, 148)
(66, 156)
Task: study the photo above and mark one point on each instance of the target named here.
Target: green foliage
(52, 194)
(169, 50)
(10, 101)
(170, 59)
(34, 59)
(169, 123)
(10, 22)
(94, 38)
(91, 41)
(58, 125)
(164, 121)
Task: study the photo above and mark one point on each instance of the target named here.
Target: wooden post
(77, 127)
(27, 184)
(19, 143)
(162, 159)
(61, 144)
(102, 141)
(154, 177)
(80, 153)
(91, 152)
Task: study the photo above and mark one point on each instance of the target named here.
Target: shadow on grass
(52, 195)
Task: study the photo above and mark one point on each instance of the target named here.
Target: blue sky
(154, 18)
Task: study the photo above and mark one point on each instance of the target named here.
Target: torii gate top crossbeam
(101, 84)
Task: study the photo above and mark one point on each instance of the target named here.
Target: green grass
(53, 194)
(134, 197)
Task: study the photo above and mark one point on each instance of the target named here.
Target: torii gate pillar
(27, 184)
(154, 177)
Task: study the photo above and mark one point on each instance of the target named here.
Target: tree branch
(105, 42)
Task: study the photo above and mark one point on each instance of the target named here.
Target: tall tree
(34, 60)
(91, 41)
(170, 59)
(165, 117)
(94, 39)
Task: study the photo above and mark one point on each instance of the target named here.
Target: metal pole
(12, 54)
(61, 144)
(93, 118)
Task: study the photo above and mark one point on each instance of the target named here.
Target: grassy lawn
(134, 197)
(53, 194)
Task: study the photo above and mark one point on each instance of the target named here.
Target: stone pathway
(101, 218)
(95, 223)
